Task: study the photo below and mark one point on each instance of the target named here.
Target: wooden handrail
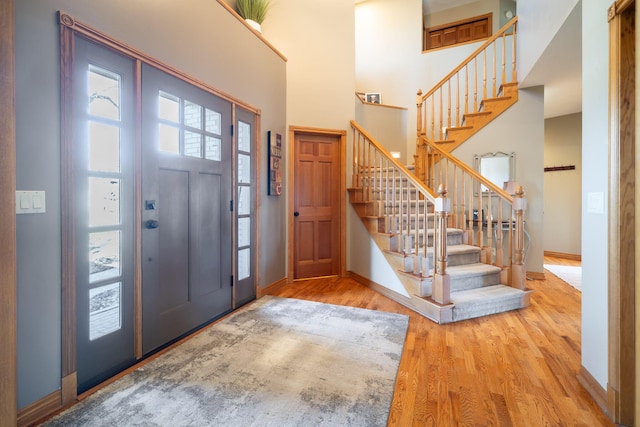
(410, 176)
(475, 175)
(502, 31)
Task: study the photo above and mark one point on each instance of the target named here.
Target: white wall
(389, 56)
(520, 129)
(595, 75)
(367, 259)
(563, 189)
(317, 37)
(538, 23)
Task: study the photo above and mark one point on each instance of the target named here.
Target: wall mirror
(497, 167)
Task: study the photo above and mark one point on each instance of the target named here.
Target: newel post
(519, 273)
(441, 286)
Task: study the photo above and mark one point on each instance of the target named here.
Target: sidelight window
(102, 182)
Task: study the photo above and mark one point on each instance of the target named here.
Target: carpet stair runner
(477, 289)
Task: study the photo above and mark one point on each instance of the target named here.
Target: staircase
(472, 95)
(453, 263)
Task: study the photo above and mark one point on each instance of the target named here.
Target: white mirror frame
(499, 167)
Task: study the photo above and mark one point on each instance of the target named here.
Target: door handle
(296, 213)
(151, 224)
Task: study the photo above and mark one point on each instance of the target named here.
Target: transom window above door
(188, 129)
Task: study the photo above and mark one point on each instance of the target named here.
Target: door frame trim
(8, 257)
(622, 251)
(342, 140)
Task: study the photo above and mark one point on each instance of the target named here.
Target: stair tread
(454, 128)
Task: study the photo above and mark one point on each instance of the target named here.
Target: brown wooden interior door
(317, 169)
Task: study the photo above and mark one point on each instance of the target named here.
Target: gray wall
(212, 46)
(563, 189)
(520, 129)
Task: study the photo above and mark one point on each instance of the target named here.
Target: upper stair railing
(404, 204)
(490, 218)
(464, 89)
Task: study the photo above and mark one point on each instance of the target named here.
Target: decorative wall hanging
(275, 162)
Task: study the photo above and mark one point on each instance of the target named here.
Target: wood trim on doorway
(622, 210)
(342, 134)
(8, 257)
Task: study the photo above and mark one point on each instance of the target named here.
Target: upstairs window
(454, 33)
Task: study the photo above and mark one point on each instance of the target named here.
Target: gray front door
(186, 201)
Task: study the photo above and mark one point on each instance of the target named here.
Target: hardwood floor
(512, 369)
(560, 261)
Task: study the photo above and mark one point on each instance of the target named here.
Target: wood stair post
(518, 270)
(441, 280)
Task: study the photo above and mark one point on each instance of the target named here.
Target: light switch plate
(28, 202)
(595, 203)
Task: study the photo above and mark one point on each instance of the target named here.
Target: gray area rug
(571, 274)
(276, 362)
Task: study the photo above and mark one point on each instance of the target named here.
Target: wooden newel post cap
(443, 204)
(520, 203)
(442, 190)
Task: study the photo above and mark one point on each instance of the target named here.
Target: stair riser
(461, 312)
(385, 241)
(473, 282)
(374, 224)
(452, 239)
(411, 224)
(363, 209)
(477, 120)
(415, 285)
(454, 259)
